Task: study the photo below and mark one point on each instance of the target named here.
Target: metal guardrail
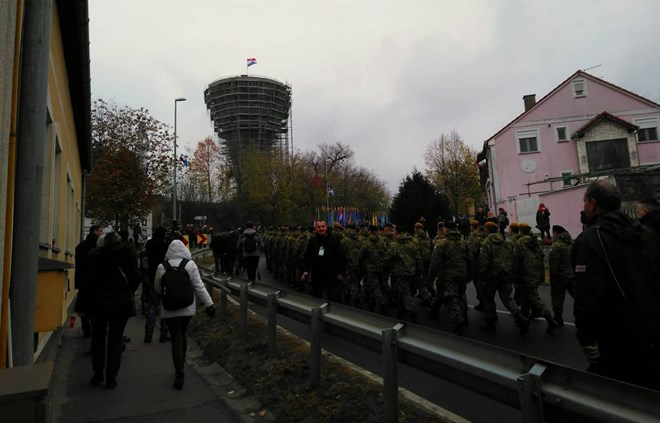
(542, 390)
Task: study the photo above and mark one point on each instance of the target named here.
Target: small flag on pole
(251, 61)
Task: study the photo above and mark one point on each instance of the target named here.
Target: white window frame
(557, 128)
(566, 182)
(528, 133)
(575, 83)
(646, 123)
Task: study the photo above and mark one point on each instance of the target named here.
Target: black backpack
(250, 244)
(176, 286)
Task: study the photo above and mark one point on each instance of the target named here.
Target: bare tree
(209, 171)
(451, 167)
(344, 182)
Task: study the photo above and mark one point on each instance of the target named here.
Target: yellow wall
(51, 296)
(62, 193)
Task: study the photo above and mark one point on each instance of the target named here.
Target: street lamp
(174, 220)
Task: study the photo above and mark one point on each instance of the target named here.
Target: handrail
(542, 390)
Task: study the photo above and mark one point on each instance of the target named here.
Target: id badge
(321, 251)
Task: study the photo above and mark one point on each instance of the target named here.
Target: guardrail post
(315, 348)
(390, 374)
(223, 305)
(244, 307)
(531, 394)
(272, 323)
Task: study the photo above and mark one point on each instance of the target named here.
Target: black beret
(558, 229)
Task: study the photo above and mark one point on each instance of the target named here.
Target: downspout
(29, 178)
(11, 177)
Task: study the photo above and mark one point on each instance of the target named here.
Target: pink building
(585, 129)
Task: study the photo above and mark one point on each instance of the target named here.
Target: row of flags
(351, 215)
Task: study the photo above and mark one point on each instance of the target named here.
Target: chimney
(530, 101)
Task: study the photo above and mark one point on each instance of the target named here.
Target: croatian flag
(251, 61)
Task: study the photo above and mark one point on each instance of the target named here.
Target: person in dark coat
(648, 213)
(81, 252)
(155, 250)
(324, 263)
(250, 258)
(543, 221)
(615, 263)
(502, 220)
(223, 246)
(112, 277)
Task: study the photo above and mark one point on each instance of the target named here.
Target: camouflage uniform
(268, 248)
(423, 242)
(440, 235)
(494, 265)
(276, 253)
(515, 268)
(404, 265)
(290, 259)
(475, 239)
(299, 251)
(370, 264)
(350, 245)
(531, 270)
(387, 237)
(561, 273)
(449, 263)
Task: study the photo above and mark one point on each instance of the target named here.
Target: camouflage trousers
(454, 297)
(558, 289)
(531, 300)
(375, 289)
(403, 288)
(505, 290)
(351, 287)
(480, 287)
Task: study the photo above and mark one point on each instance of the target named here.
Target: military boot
(488, 326)
(559, 319)
(459, 329)
(523, 324)
(148, 335)
(552, 324)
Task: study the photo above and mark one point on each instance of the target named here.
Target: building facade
(45, 152)
(583, 130)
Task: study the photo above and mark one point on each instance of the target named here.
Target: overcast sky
(385, 77)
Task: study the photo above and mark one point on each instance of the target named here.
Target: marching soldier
(530, 272)
(474, 241)
(370, 264)
(350, 245)
(404, 265)
(561, 271)
(449, 263)
(495, 263)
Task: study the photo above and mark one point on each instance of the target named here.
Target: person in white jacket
(177, 320)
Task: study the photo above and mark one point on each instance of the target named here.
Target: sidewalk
(145, 391)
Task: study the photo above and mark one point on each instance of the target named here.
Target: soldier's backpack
(250, 244)
(176, 286)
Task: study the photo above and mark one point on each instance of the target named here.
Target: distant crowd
(612, 271)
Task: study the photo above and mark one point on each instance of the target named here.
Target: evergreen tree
(418, 200)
